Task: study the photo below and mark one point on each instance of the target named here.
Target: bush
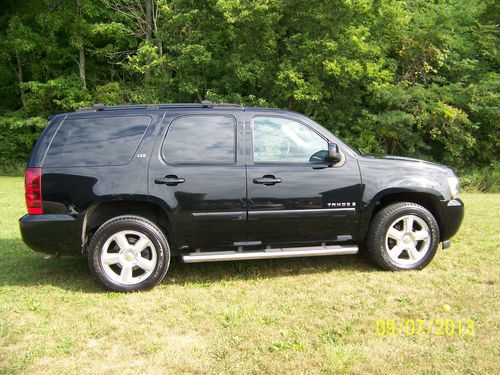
(13, 169)
(481, 180)
(17, 137)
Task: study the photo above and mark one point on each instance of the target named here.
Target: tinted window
(201, 140)
(280, 140)
(96, 141)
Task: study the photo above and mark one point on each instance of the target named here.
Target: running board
(290, 252)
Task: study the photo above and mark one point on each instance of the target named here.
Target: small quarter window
(201, 139)
(280, 140)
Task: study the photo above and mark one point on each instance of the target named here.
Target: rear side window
(96, 141)
(201, 139)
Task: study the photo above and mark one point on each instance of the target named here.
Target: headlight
(453, 184)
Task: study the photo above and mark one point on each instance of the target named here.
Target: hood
(393, 157)
(411, 163)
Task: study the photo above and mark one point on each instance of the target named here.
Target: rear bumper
(452, 214)
(52, 234)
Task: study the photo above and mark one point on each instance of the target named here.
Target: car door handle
(267, 180)
(169, 180)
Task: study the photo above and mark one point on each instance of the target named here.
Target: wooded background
(416, 78)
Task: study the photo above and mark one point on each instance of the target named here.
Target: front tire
(403, 236)
(128, 254)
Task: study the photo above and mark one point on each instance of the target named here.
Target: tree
(414, 77)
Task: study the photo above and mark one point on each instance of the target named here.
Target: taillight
(33, 190)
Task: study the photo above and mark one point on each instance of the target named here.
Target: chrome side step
(290, 252)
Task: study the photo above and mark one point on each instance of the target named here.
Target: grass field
(314, 315)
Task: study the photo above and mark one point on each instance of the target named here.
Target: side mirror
(334, 155)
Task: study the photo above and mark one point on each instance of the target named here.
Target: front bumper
(452, 214)
(52, 234)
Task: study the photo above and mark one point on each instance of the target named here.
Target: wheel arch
(427, 199)
(99, 213)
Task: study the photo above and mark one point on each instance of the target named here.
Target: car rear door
(290, 198)
(198, 175)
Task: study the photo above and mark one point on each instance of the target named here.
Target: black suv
(131, 186)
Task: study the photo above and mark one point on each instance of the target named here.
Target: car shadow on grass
(205, 273)
(23, 267)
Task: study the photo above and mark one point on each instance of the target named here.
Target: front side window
(201, 140)
(280, 140)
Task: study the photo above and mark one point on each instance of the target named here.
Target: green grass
(314, 315)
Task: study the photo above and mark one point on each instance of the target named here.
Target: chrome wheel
(407, 240)
(128, 257)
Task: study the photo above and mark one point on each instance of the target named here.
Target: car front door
(293, 197)
(198, 176)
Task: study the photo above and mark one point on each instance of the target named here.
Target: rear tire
(403, 236)
(128, 254)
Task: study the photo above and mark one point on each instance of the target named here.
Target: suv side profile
(132, 186)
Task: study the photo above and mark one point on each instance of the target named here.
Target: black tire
(382, 222)
(157, 253)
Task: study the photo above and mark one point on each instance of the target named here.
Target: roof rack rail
(203, 104)
(96, 107)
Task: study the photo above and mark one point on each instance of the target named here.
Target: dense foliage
(415, 77)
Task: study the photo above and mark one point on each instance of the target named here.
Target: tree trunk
(21, 79)
(148, 8)
(81, 66)
(160, 49)
(81, 51)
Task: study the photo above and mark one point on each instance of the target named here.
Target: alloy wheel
(128, 257)
(407, 240)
